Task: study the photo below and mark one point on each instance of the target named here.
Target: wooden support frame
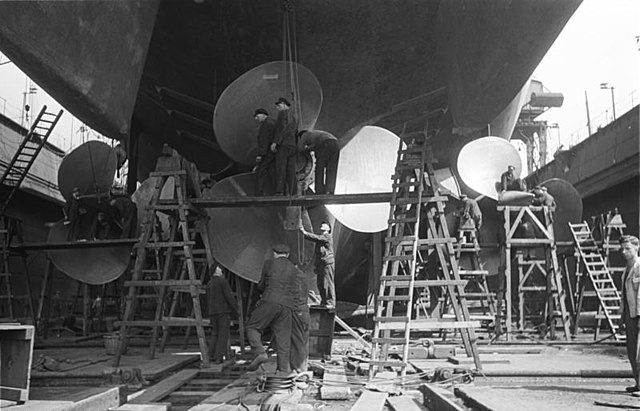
(541, 219)
(527, 270)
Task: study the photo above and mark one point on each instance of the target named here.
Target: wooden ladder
(202, 259)
(164, 276)
(12, 228)
(541, 220)
(609, 298)
(404, 249)
(477, 288)
(25, 155)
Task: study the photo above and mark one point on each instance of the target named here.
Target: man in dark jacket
(284, 147)
(324, 263)
(72, 212)
(542, 197)
(221, 304)
(508, 181)
(125, 215)
(265, 158)
(327, 152)
(101, 227)
(300, 325)
(470, 213)
(277, 284)
(470, 217)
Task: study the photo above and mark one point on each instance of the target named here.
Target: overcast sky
(599, 44)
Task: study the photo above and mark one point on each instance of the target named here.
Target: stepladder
(167, 273)
(482, 301)
(16, 296)
(593, 264)
(528, 245)
(417, 231)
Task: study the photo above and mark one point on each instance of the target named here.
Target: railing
(604, 118)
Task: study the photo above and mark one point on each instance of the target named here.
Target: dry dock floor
(540, 376)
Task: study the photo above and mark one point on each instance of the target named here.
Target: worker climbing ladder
(404, 249)
(25, 155)
(541, 240)
(11, 228)
(477, 288)
(182, 216)
(594, 264)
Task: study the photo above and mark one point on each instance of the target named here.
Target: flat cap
(630, 239)
(283, 100)
(260, 111)
(281, 248)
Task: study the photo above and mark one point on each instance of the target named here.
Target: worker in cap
(470, 216)
(327, 153)
(542, 197)
(72, 211)
(221, 304)
(101, 227)
(125, 215)
(324, 263)
(630, 302)
(277, 285)
(284, 147)
(508, 181)
(265, 160)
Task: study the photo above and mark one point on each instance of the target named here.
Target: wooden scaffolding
(528, 249)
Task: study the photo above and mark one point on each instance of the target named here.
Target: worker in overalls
(325, 263)
(508, 181)
(470, 213)
(284, 147)
(277, 284)
(265, 159)
(221, 304)
(300, 325)
(125, 215)
(327, 152)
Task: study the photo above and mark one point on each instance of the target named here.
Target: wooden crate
(321, 327)
(16, 353)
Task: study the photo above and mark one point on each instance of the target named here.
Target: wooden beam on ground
(436, 398)
(334, 384)
(228, 398)
(165, 387)
(36, 405)
(104, 401)
(627, 405)
(370, 401)
(489, 359)
(405, 403)
(351, 331)
(303, 200)
(158, 406)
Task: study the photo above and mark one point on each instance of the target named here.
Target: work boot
(258, 361)
(633, 389)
